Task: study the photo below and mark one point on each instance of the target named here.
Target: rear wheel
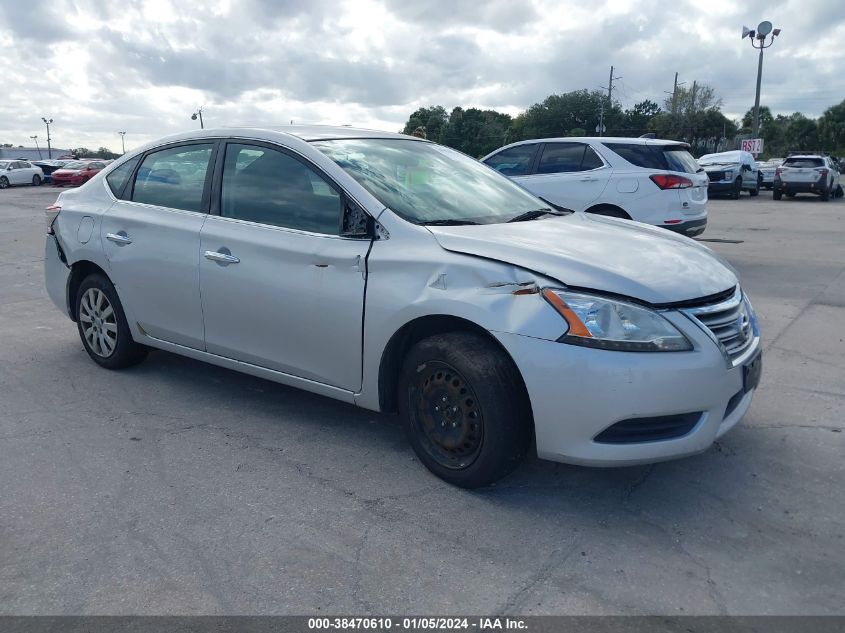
(777, 194)
(36, 180)
(102, 325)
(465, 409)
(826, 194)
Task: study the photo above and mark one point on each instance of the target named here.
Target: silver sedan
(403, 276)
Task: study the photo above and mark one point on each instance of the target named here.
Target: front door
(280, 287)
(152, 241)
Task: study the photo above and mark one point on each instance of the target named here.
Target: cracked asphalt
(180, 488)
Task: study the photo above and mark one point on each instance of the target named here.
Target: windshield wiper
(448, 222)
(533, 215)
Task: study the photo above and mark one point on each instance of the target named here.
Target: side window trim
(603, 162)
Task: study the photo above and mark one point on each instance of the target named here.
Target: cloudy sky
(99, 66)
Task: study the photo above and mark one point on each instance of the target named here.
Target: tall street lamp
(35, 138)
(47, 122)
(196, 114)
(122, 144)
(764, 29)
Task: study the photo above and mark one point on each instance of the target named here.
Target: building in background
(31, 153)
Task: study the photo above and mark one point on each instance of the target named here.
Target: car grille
(729, 323)
(716, 175)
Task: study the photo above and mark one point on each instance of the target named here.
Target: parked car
(649, 180)
(48, 167)
(767, 172)
(807, 173)
(77, 172)
(731, 172)
(493, 320)
(19, 172)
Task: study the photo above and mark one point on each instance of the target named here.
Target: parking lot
(179, 488)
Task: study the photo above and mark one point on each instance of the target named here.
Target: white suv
(649, 180)
(807, 173)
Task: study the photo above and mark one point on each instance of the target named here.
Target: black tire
(4, 182)
(737, 189)
(838, 193)
(756, 190)
(826, 194)
(611, 212)
(790, 194)
(485, 405)
(36, 180)
(126, 352)
(777, 194)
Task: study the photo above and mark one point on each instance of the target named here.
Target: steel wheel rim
(4, 182)
(446, 415)
(98, 321)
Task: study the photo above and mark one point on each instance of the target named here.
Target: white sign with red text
(753, 145)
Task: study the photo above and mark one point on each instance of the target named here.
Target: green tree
(637, 118)
(831, 128)
(557, 114)
(106, 153)
(766, 118)
(433, 119)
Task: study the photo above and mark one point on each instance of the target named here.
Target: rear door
(151, 237)
(569, 174)
(281, 288)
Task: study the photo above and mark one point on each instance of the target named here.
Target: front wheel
(4, 182)
(756, 190)
(465, 409)
(737, 189)
(102, 325)
(36, 180)
(777, 194)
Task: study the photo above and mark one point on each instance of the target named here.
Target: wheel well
(616, 212)
(409, 335)
(78, 272)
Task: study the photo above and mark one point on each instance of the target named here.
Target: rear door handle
(119, 238)
(223, 258)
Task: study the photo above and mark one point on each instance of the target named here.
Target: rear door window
(118, 178)
(174, 177)
(514, 161)
(560, 158)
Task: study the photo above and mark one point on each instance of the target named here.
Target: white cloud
(98, 66)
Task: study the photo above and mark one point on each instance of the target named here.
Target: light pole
(196, 114)
(35, 138)
(47, 122)
(122, 144)
(760, 35)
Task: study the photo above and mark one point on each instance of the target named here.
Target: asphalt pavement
(179, 488)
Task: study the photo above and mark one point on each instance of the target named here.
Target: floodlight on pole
(35, 138)
(764, 30)
(47, 122)
(196, 114)
(122, 144)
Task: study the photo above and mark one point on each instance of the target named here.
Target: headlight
(614, 325)
(729, 175)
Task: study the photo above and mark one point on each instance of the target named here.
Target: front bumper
(578, 392)
(61, 181)
(690, 228)
(721, 187)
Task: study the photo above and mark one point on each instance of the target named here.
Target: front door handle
(588, 179)
(119, 238)
(223, 258)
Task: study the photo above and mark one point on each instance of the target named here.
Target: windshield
(4, 164)
(74, 164)
(427, 183)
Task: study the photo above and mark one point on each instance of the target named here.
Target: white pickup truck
(730, 173)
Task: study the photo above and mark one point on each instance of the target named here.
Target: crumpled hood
(599, 253)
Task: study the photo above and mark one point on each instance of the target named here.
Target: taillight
(51, 213)
(822, 173)
(671, 181)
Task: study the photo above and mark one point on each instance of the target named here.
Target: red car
(76, 172)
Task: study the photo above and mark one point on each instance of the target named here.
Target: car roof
(601, 139)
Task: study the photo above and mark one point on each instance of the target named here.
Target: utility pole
(122, 144)
(47, 122)
(609, 89)
(35, 138)
(674, 94)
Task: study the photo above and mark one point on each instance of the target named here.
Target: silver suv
(807, 173)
